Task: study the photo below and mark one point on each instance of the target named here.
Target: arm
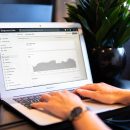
(105, 93)
(61, 104)
(89, 121)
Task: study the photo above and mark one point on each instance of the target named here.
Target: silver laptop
(36, 58)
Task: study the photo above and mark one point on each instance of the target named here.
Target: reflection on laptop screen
(40, 56)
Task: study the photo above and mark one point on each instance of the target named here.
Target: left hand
(104, 93)
(59, 103)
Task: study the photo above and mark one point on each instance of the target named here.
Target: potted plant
(106, 27)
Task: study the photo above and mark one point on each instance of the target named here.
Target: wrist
(124, 97)
(77, 113)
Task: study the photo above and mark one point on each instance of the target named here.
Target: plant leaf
(107, 25)
(84, 23)
(125, 37)
(104, 23)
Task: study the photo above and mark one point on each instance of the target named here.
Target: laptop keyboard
(27, 101)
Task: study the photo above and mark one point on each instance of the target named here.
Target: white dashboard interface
(40, 56)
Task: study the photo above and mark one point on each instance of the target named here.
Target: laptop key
(27, 101)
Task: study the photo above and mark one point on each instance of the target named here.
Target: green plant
(105, 23)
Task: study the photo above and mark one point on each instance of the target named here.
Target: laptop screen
(40, 56)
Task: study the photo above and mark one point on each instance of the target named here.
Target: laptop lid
(42, 57)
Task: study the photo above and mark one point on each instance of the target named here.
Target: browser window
(40, 56)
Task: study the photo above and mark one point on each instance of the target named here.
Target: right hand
(104, 93)
(59, 103)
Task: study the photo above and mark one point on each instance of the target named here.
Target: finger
(54, 93)
(45, 97)
(87, 93)
(65, 91)
(74, 91)
(58, 93)
(38, 105)
(92, 87)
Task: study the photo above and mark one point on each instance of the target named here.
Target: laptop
(37, 58)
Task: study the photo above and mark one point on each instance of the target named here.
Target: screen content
(40, 56)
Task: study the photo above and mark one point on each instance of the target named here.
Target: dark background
(126, 71)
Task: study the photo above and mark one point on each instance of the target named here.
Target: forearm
(89, 121)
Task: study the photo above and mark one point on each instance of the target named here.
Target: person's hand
(104, 93)
(59, 103)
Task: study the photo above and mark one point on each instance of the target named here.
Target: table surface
(13, 120)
